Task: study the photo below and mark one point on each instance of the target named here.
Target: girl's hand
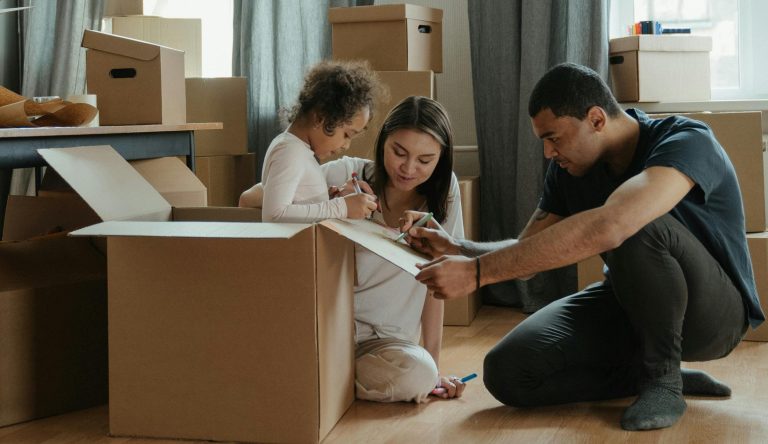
(360, 206)
(449, 387)
(348, 188)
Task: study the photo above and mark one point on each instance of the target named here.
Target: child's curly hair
(336, 91)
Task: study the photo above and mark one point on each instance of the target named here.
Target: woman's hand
(348, 188)
(449, 387)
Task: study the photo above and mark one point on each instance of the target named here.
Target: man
(659, 200)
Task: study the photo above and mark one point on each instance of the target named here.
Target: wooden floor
(478, 418)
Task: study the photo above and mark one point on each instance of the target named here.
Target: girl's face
(410, 157)
(325, 146)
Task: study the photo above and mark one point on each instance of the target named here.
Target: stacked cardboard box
(403, 43)
(222, 160)
(740, 134)
(462, 311)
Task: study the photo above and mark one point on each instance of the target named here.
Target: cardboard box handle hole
(122, 73)
(425, 29)
(616, 60)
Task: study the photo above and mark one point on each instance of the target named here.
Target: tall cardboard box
(660, 68)
(201, 314)
(391, 37)
(116, 8)
(135, 82)
(740, 134)
(463, 310)
(758, 250)
(222, 99)
(53, 328)
(226, 177)
(401, 84)
(184, 34)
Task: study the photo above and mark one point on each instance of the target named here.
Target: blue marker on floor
(469, 377)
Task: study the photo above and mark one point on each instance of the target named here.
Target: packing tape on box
(90, 99)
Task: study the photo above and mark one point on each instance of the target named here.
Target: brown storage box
(758, 250)
(463, 310)
(660, 68)
(589, 271)
(740, 134)
(135, 82)
(226, 177)
(183, 34)
(391, 37)
(219, 100)
(27, 217)
(401, 84)
(201, 314)
(113, 8)
(172, 179)
(53, 328)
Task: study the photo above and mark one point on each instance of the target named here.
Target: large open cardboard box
(391, 37)
(222, 330)
(660, 68)
(53, 328)
(136, 82)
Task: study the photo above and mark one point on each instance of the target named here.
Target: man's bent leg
(672, 288)
(579, 348)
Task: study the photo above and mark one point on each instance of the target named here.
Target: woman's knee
(395, 375)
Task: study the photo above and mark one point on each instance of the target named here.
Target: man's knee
(395, 375)
(508, 373)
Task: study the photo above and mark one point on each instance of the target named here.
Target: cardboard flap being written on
(221, 230)
(108, 183)
(380, 240)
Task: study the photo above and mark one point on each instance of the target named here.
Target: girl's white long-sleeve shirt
(295, 189)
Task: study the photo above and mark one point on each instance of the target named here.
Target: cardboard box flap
(124, 46)
(661, 43)
(383, 13)
(227, 230)
(108, 183)
(380, 240)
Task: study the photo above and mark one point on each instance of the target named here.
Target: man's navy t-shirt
(712, 210)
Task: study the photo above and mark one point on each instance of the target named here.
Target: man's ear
(597, 118)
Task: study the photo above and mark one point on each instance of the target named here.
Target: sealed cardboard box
(740, 134)
(115, 8)
(758, 250)
(136, 82)
(198, 319)
(184, 34)
(401, 84)
(226, 177)
(660, 68)
(463, 310)
(223, 100)
(53, 328)
(391, 37)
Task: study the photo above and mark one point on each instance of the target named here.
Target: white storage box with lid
(660, 68)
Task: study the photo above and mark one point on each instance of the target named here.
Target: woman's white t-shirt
(388, 301)
(295, 189)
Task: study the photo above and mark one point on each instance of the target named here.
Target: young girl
(334, 106)
(412, 171)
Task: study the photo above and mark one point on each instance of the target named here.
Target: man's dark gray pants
(667, 300)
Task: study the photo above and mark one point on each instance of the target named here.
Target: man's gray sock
(660, 404)
(696, 382)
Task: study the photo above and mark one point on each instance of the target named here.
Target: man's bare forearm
(473, 249)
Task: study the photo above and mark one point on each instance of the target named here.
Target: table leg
(5, 190)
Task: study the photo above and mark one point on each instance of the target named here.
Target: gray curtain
(274, 42)
(53, 63)
(513, 43)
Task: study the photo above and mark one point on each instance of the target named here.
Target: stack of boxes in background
(223, 163)
(740, 133)
(403, 43)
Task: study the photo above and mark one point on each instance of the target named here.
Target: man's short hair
(571, 90)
